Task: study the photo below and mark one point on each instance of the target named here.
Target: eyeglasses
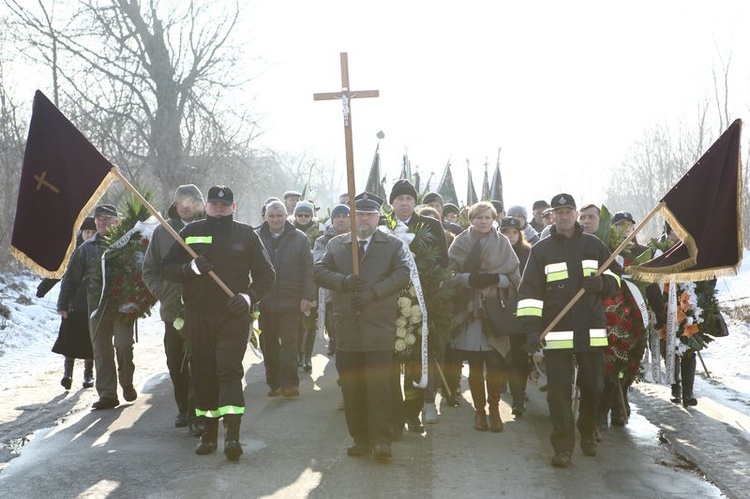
(304, 215)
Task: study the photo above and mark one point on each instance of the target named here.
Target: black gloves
(593, 283)
(354, 283)
(479, 280)
(533, 343)
(203, 265)
(363, 298)
(239, 304)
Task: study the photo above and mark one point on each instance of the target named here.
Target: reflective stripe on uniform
(598, 337)
(558, 340)
(199, 239)
(556, 271)
(617, 277)
(529, 307)
(221, 411)
(589, 267)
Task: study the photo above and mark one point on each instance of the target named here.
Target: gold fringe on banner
(90, 204)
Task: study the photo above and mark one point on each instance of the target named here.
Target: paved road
(296, 448)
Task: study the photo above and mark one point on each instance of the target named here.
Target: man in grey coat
(291, 295)
(365, 308)
(187, 207)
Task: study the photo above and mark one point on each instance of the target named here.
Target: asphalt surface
(297, 448)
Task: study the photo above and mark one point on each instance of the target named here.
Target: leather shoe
(561, 459)
(382, 451)
(290, 392)
(358, 450)
(274, 392)
(496, 423)
(518, 410)
(129, 394)
(453, 400)
(480, 421)
(105, 403)
(180, 421)
(415, 425)
(205, 446)
(66, 382)
(588, 446)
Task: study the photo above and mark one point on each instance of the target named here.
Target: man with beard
(365, 307)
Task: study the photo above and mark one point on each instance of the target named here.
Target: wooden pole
(599, 271)
(708, 374)
(346, 95)
(116, 172)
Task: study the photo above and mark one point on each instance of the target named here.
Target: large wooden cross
(346, 95)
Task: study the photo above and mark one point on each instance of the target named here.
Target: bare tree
(151, 83)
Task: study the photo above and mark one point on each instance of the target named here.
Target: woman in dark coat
(73, 339)
(518, 372)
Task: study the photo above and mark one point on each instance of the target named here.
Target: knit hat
(304, 207)
(339, 209)
(402, 187)
(187, 191)
(432, 197)
(517, 211)
(88, 224)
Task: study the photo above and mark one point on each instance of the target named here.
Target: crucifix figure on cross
(346, 95)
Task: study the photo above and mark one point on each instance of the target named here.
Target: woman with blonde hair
(484, 264)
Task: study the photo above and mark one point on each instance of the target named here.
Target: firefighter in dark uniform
(218, 326)
(558, 267)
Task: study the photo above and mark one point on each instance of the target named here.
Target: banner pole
(599, 271)
(116, 172)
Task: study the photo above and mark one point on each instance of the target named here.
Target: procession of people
(404, 305)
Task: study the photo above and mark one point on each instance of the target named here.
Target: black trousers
(278, 341)
(518, 369)
(590, 381)
(218, 344)
(365, 384)
(178, 364)
(407, 404)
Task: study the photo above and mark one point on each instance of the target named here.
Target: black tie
(361, 249)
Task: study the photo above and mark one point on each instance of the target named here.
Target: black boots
(676, 393)
(207, 444)
(232, 446)
(88, 373)
(67, 378)
(307, 364)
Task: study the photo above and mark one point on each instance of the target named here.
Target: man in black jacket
(218, 326)
(282, 306)
(558, 267)
(404, 199)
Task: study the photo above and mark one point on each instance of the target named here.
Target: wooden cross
(346, 95)
(41, 181)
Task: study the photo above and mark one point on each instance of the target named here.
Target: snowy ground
(26, 338)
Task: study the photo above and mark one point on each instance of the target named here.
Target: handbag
(499, 317)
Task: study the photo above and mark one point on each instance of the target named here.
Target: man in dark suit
(365, 308)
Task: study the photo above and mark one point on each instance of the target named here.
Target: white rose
(415, 319)
(410, 339)
(412, 290)
(400, 332)
(406, 311)
(404, 302)
(401, 322)
(400, 345)
(415, 310)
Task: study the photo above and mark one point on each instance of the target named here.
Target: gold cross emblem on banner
(42, 182)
